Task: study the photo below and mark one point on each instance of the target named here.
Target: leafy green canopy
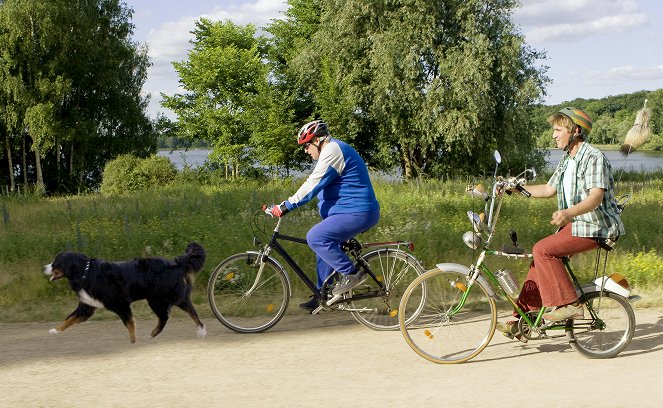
(433, 85)
(70, 86)
(430, 87)
(232, 99)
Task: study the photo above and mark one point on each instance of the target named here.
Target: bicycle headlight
(472, 239)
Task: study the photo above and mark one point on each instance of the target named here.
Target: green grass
(163, 220)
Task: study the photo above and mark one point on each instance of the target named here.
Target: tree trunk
(24, 155)
(40, 187)
(71, 160)
(10, 164)
(406, 164)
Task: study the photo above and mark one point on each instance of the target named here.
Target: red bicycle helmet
(310, 130)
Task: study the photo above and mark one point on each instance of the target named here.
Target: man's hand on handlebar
(514, 185)
(277, 210)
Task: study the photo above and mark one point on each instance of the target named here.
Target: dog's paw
(53, 331)
(202, 332)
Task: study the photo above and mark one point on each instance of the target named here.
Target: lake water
(636, 161)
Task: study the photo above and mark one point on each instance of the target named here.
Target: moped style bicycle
(456, 309)
(249, 292)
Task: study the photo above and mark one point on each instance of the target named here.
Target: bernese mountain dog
(115, 285)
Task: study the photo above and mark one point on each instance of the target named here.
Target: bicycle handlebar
(515, 184)
(523, 191)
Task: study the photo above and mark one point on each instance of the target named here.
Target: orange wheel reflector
(270, 308)
(428, 334)
(393, 313)
(229, 276)
(461, 286)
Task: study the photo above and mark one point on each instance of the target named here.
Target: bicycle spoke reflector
(428, 334)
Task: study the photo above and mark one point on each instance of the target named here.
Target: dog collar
(87, 268)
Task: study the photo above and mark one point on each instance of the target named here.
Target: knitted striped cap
(579, 117)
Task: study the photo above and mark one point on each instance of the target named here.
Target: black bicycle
(249, 292)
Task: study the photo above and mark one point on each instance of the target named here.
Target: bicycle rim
(395, 269)
(609, 333)
(440, 331)
(237, 308)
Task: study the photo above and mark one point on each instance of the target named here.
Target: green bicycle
(456, 311)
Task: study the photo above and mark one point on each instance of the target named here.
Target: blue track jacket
(339, 180)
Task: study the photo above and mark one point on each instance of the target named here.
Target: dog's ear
(70, 262)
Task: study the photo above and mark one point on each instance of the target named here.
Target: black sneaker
(348, 282)
(311, 305)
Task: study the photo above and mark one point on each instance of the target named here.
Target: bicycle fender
(453, 267)
(593, 287)
(278, 265)
(406, 254)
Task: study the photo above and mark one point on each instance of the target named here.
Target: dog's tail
(194, 257)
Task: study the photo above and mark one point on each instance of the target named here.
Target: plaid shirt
(592, 171)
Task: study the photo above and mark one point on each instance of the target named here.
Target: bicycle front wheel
(456, 321)
(395, 269)
(607, 329)
(247, 296)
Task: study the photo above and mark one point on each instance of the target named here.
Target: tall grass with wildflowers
(161, 221)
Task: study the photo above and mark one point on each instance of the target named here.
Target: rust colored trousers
(548, 283)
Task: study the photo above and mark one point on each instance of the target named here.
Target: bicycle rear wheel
(243, 302)
(395, 269)
(608, 329)
(456, 321)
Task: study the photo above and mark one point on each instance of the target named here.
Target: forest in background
(429, 87)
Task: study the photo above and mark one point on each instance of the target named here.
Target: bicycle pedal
(317, 310)
(520, 337)
(334, 299)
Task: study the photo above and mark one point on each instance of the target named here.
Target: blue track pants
(325, 240)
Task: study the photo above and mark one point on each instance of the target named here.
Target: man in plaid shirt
(587, 211)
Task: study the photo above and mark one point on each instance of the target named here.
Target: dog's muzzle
(54, 274)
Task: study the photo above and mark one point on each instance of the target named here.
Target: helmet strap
(321, 141)
(572, 139)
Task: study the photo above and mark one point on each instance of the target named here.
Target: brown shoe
(565, 313)
(510, 330)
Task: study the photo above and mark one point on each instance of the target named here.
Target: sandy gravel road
(311, 361)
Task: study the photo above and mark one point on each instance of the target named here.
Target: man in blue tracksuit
(346, 201)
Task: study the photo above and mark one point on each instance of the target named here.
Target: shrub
(129, 173)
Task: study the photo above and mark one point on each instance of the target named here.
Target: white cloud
(626, 73)
(258, 13)
(566, 20)
(569, 32)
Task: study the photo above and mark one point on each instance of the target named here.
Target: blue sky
(595, 48)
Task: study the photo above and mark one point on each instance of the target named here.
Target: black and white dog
(115, 285)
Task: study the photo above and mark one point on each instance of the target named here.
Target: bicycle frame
(482, 271)
(274, 245)
(449, 314)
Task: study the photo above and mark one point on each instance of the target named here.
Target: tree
(222, 78)
(434, 85)
(72, 81)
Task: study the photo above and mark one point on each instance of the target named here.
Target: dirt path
(310, 361)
